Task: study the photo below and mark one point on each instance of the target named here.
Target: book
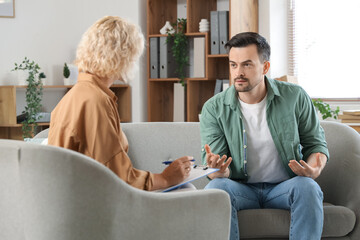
(195, 173)
(351, 112)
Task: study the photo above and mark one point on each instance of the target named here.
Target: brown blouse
(86, 120)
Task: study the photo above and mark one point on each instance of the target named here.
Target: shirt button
(244, 130)
(202, 149)
(245, 146)
(245, 162)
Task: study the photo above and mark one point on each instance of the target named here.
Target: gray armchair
(53, 193)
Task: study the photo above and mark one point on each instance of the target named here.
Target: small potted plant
(66, 73)
(325, 110)
(34, 92)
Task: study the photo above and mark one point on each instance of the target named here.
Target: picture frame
(7, 8)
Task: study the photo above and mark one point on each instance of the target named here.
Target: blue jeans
(301, 195)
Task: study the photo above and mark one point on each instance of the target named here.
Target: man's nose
(239, 72)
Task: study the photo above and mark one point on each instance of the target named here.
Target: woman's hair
(109, 48)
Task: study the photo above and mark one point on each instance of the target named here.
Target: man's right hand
(214, 161)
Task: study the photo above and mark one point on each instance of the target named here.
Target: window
(324, 47)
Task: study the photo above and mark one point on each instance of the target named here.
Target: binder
(218, 86)
(214, 32)
(225, 84)
(154, 57)
(199, 57)
(190, 67)
(179, 103)
(167, 61)
(223, 30)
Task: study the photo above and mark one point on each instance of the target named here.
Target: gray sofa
(151, 143)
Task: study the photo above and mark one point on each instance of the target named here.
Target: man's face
(246, 69)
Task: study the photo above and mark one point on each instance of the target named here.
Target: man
(87, 120)
(272, 135)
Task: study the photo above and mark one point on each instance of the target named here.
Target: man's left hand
(312, 168)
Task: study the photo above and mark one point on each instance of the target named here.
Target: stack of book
(350, 116)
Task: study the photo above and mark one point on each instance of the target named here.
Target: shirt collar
(87, 77)
(232, 99)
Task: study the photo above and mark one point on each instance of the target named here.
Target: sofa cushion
(275, 223)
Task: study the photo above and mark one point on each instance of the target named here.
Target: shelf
(19, 124)
(217, 56)
(9, 128)
(62, 86)
(195, 34)
(177, 79)
(198, 90)
(14, 131)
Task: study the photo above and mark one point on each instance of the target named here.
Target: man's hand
(312, 169)
(214, 161)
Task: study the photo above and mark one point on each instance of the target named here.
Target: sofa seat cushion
(275, 223)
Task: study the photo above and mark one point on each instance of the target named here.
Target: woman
(86, 120)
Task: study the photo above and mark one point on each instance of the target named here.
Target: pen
(169, 162)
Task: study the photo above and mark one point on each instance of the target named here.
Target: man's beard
(240, 88)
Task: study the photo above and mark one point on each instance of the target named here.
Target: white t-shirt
(263, 160)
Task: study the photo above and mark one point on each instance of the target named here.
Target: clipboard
(195, 173)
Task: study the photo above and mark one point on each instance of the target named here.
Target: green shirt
(291, 117)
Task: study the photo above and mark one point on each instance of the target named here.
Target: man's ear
(266, 67)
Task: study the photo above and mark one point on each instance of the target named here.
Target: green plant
(66, 71)
(325, 109)
(34, 92)
(179, 47)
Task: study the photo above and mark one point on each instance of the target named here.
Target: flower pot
(167, 28)
(67, 81)
(21, 77)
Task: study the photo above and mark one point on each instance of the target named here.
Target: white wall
(48, 33)
(273, 26)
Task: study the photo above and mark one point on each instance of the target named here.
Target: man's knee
(307, 187)
(218, 183)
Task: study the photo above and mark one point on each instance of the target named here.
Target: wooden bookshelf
(10, 129)
(198, 90)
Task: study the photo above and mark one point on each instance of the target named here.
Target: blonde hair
(109, 48)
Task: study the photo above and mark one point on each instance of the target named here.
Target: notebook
(195, 173)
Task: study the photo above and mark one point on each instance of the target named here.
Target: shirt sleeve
(63, 137)
(212, 133)
(109, 146)
(121, 165)
(312, 135)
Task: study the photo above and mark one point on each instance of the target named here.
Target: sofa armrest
(201, 214)
(340, 179)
